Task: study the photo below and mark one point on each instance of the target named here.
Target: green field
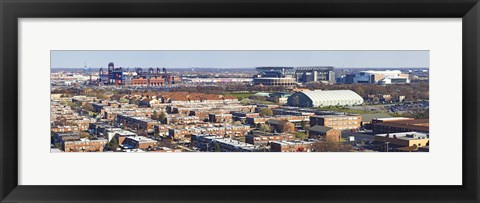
(242, 95)
(347, 110)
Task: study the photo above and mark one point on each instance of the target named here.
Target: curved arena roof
(333, 97)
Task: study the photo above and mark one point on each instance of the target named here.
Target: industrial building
(404, 139)
(283, 76)
(319, 98)
(315, 74)
(377, 77)
(114, 76)
(153, 77)
(339, 121)
(394, 125)
(119, 76)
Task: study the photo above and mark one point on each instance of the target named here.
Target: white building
(320, 98)
(380, 77)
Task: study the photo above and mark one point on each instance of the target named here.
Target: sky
(239, 59)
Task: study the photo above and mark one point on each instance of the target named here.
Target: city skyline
(219, 107)
(240, 59)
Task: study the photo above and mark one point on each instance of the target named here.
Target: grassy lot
(347, 110)
(242, 95)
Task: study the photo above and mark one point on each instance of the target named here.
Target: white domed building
(321, 98)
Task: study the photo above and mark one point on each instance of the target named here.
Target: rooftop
(319, 128)
(141, 139)
(405, 135)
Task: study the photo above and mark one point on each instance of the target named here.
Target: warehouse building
(378, 77)
(325, 98)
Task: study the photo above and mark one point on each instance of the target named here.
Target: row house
(85, 145)
(261, 139)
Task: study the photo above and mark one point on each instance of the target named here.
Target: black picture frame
(12, 10)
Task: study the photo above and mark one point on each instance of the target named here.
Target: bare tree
(330, 145)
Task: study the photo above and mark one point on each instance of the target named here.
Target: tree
(174, 120)
(154, 115)
(301, 135)
(134, 101)
(66, 103)
(303, 124)
(418, 113)
(113, 144)
(237, 123)
(88, 107)
(84, 135)
(123, 100)
(287, 127)
(329, 145)
(217, 147)
(61, 121)
(245, 101)
(162, 117)
(264, 127)
(266, 112)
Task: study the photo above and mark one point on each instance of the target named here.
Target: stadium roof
(333, 97)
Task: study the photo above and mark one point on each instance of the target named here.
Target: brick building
(260, 139)
(85, 145)
(402, 125)
(220, 118)
(138, 142)
(63, 129)
(319, 132)
(291, 146)
(340, 122)
(61, 137)
(210, 143)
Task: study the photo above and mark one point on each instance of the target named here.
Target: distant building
(291, 146)
(242, 116)
(85, 145)
(138, 142)
(277, 125)
(182, 119)
(282, 76)
(220, 118)
(135, 122)
(367, 118)
(256, 120)
(212, 143)
(61, 137)
(395, 125)
(61, 129)
(378, 77)
(319, 132)
(261, 139)
(315, 74)
(340, 122)
(319, 98)
(279, 97)
(404, 141)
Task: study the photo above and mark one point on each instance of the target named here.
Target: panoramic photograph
(239, 101)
